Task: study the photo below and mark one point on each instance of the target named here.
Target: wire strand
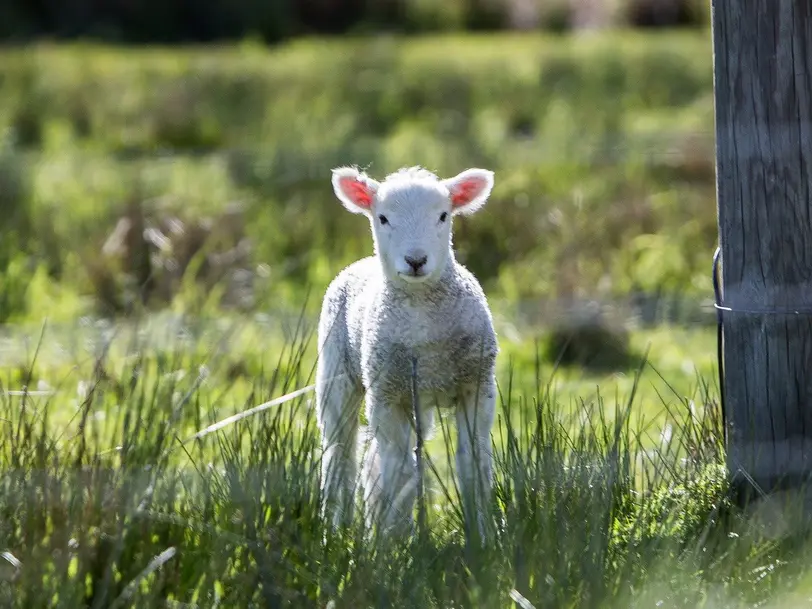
(717, 296)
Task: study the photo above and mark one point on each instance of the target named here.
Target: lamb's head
(410, 213)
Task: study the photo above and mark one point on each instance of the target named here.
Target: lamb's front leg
(475, 416)
(389, 472)
(338, 404)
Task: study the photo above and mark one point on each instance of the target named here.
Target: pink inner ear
(356, 191)
(465, 191)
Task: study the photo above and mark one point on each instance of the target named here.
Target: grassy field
(114, 493)
(602, 148)
(197, 181)
(169, 211)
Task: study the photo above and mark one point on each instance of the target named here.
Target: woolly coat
(379, 326)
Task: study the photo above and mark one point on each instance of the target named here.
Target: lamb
(411, 299)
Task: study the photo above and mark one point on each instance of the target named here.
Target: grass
(602, 147)
(177, 204)
(679, 360)
(117, 506)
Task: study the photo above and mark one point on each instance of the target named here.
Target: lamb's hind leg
(475, 417)
(338, 399)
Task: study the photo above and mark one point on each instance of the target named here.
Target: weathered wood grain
(763, 89)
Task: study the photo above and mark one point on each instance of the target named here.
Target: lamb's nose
(416, 262)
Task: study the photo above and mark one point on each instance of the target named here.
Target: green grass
(610, 491)
(602, 147)
(114, 504)
(678, 360)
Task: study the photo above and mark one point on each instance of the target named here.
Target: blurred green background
(147, 176)
(187, 170)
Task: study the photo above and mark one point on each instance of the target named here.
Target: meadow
(168, 231)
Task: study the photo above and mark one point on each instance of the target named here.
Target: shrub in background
(589, 339)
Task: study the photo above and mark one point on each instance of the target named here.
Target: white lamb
(412, 299)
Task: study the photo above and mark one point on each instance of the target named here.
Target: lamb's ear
(354, 189)
(469, 190)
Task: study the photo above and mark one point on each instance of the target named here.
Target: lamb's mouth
(414, 276)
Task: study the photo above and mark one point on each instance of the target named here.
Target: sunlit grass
(116, 501)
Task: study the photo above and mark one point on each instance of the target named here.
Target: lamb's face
(410, 214)
(411, 225)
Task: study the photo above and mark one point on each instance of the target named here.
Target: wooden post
(763, 92)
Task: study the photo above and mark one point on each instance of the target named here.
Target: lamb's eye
(383, 219)
(443, 216)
